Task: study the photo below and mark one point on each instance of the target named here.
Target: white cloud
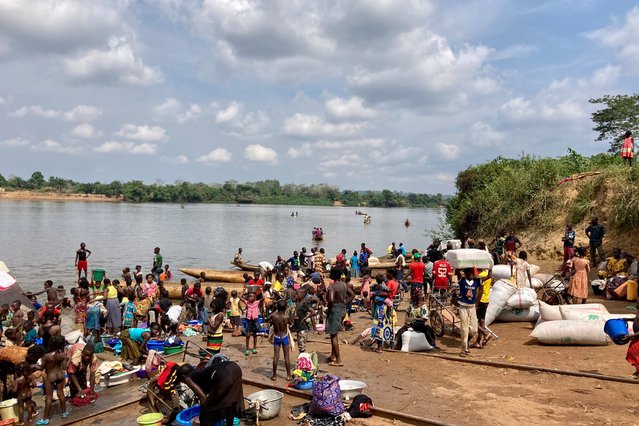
(483, 134)
(348, 108)
(116, 65)
(35, 110)
(142, 133)
(345, 160)
(172, 108)
(15, 142)
(78, 113)
(366, 143)
(228, 114)
(447, 151)
(180, 159)
(4, 100)
(126, 147)
(517, 109)
(218, 155)
(623, 38)
(85, 131)
(56, 25)
(307, 125)
(303, 151)
(51, 145)
(83, 113)
(260, 153)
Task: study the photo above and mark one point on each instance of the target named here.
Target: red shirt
(441, 271)
(417, 271)
(392, 288)
(191, 292)
(259, 282)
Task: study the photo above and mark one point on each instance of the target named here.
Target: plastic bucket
(151, 419)
(184, 417)
(631, 294)
(98, 274)
(170, 350)
(155, 345)
(617, 329)
(9, 409)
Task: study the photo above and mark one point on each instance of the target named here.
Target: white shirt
(174, 313)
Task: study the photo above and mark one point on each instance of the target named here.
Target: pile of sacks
(573, 324)
(509, 304)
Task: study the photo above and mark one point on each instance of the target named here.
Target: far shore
(55, 196)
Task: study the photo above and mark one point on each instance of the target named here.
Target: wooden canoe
(216, 275)
(246, 266)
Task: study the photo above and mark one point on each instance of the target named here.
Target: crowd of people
(287, 300)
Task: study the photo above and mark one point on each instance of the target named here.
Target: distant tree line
(262, 192)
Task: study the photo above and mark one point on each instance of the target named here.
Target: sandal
(65, 415)
(254, 351)
(43, 422)
(247, 352)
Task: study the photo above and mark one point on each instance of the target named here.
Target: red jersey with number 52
(441, 270)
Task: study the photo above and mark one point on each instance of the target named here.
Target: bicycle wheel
(552, 297)
(437, 322)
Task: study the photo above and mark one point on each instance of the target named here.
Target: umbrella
(6, 280)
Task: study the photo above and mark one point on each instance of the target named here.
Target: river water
(38, 239)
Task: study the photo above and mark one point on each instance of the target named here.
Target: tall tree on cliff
(621, 113)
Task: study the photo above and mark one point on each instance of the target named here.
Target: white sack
(523, 298)
(534, 270)
(544, 278)
(413, 341)
(519, 315)
(571, 332)
(501, 272)
(536, 283)
(601, 284)
(499, 295)
(469, 258)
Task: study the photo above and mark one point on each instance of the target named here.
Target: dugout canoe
(216, 275)
(246, 266)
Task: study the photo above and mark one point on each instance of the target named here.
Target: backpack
(327, 397)
(361, 407)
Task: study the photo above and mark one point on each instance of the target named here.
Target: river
(38, 239)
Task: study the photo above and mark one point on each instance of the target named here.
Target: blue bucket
(185, 417)
(304, 385)
(155, 345)
(617, 329)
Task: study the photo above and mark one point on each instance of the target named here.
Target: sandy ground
(54, 196)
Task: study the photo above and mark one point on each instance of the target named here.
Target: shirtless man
(22, 386)
(52, 293)
(81, 257)
(338, 296)
(280, 321)
(55, 363)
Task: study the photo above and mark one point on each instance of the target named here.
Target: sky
(364, 95)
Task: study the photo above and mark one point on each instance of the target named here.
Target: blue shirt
(468, 291)
(354, 260)
(136, 334)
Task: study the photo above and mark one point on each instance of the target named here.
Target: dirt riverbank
(55, 196)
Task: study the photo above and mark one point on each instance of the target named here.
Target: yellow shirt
(112, 292)
(485, 292)
(235, 306)
(277, 286)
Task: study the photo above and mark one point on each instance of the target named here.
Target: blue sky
(398, 94)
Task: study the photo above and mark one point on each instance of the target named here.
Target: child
(13, 336)
(129, 309)
(252, 324)
(62, 293)
(215, 336)
(632, 355)
(205, 309)
(126, 276)
(185, 287)
(280, 322)
(54, 362)
(236, 312)
(267, 296)
(22, 386)
(167, 273)
(303, 312)
(31, 334)
(354, 265)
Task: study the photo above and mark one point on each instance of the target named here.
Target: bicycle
(443, 313)
(555, 291)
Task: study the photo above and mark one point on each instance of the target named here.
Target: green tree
(3, 181)
(621, 113)
(37, 180)
(57, 183)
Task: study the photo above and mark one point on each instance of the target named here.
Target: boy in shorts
(236, 312)
(280, 321)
